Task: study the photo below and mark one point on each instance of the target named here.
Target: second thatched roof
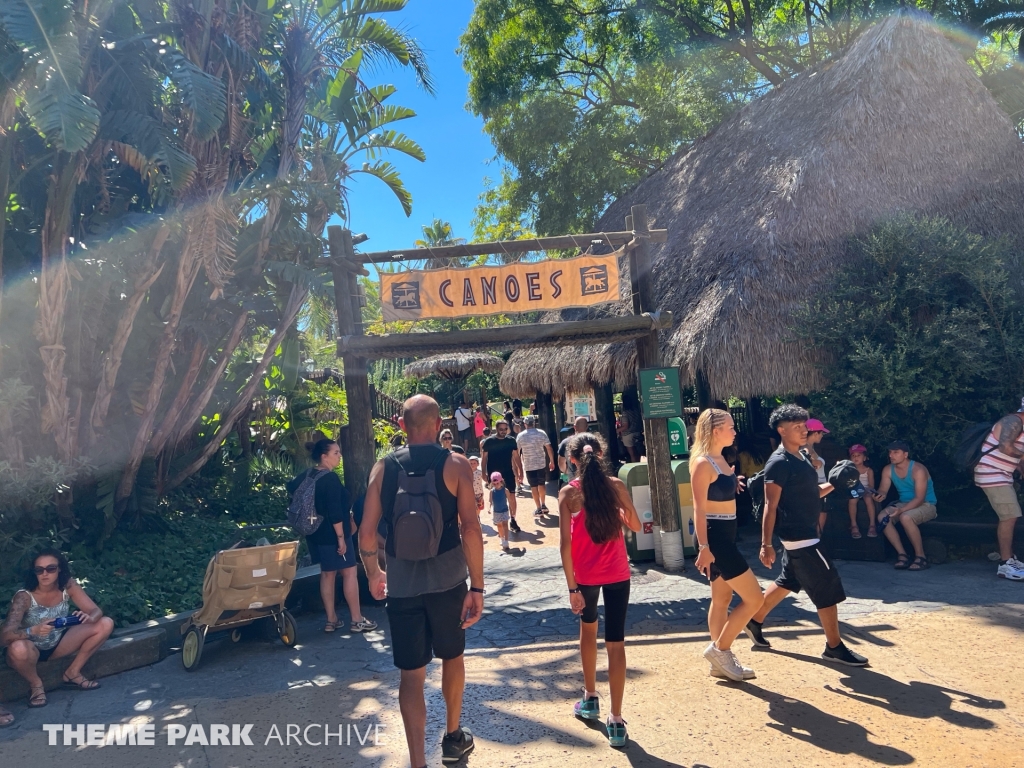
(454, 365)
(759, 211)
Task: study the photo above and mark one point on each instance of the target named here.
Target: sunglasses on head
(41, 569)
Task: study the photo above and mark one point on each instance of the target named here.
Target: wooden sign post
(664, 494)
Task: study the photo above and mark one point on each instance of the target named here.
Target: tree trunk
(112, 360)
(291, 311)
(188, 381)
(188, 269)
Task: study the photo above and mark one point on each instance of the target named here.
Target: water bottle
(66, 621)
(884, 521)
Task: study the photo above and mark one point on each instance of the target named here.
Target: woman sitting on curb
(29, 632)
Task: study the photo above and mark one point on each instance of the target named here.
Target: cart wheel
(192, 648)
(286, 629)
(236, 635)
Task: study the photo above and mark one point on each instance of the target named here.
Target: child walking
(478, 483)
(499, 507)
(859, 456)
(592, 508)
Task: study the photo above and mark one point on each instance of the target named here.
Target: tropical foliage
(168, 168)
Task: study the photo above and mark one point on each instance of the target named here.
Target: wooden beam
(664, 494)
(576, 332)
(615, 239)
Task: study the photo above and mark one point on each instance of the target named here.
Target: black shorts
(508, 476)
(616, 601)
(426, 626)
(465, 434)
(729, 563)
(536, 477)
(809, 569)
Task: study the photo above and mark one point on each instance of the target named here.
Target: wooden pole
(605, 406)
(359, 438)
(614, 239)
(700, 384)
(546, 415)
(570, 333)
(664, 494)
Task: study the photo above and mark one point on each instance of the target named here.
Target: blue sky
(449, 183)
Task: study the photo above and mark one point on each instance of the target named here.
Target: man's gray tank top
(410, 578)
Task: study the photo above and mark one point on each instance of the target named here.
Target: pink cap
(858, 448)
(496, 476)
(813, 425)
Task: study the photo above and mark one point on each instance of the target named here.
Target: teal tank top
(905, 486)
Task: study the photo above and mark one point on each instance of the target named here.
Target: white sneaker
(724, 662)
(748, 673)
(1012, 569)
(504, 543)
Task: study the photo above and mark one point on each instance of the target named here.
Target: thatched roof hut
(454, 365)
(759, 210)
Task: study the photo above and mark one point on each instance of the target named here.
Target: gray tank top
(39, 614)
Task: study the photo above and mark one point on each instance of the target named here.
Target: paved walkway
(943, 688)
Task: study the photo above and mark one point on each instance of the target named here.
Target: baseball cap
(858, 448)
(495, 477)
(844, 475)
(530, 421)
(813, 425)
(473, 458)
(898, 445)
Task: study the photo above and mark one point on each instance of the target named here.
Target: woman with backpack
(593, 507)
(714, 484)
(332, 544)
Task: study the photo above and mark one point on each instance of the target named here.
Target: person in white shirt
(464, 423)
(538, 459)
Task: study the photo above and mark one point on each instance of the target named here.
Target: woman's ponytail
(599, 499)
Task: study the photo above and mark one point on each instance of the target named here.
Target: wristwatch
(574, 591)
(477, 589)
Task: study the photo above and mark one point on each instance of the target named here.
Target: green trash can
(640, 545)
(681, 473)
(677, 438)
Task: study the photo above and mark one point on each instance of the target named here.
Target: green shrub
(926, 332)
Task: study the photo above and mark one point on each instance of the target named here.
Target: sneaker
(753, 630)
(748, 673)
(1012, 569)
(455, 746)
(616, 733)
(724, 662)
(588, 709)
(843, 655)
(504, 543)
(513, 525)
(365, 625)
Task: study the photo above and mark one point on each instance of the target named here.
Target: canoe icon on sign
(594, 279)
(406, 295)
(660, 377)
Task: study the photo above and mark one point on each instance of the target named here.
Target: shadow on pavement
(913, 699)
(809, 724)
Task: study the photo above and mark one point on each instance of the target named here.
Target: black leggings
(616, 601)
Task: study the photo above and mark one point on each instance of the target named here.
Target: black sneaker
(456, 746)
(513, 525)
(843, 655)
(753, 630)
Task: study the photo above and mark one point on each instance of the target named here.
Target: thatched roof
(759, 210)
(454, 365)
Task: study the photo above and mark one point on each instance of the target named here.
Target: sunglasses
(41, 569)
(446, 439)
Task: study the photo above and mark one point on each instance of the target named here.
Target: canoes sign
(582, 281)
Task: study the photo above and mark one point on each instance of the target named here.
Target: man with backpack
(424, 494)
(1001, 455)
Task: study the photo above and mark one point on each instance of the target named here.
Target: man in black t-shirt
(498, 454)
(792, 503)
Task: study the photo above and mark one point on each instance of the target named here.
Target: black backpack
(969, 451)
(417, 520)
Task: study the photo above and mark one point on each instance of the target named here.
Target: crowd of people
(420, 541)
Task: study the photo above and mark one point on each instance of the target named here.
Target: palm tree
(439, 233)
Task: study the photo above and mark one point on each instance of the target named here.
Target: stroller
(242, 586)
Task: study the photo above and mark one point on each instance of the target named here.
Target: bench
(118, 654)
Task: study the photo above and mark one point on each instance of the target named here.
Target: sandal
(6, 718)
(855, 532)
(38, 697)
(919, 564)
(330, 626)
(79, 682)
(902, 563)
(872, 532)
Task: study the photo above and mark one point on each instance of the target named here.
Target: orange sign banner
(582, 281)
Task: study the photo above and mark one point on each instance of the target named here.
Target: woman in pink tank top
(592, 510)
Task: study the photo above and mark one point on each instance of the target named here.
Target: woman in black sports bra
(714, 484)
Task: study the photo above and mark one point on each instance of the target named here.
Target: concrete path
(943, 687)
